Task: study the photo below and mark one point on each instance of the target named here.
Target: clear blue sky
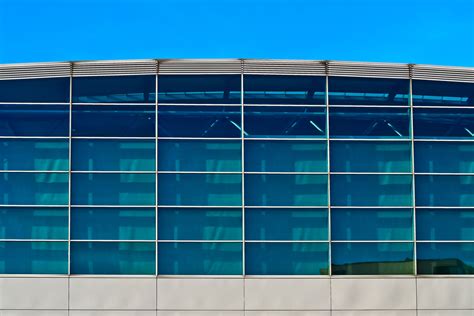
(413, 31)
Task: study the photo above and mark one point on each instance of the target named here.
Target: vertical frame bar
(412, 134)
(328, 164)
(242, 163)
(156, 168)
(69, 175)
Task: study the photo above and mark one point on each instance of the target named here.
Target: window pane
(444, 157)
(38, 257)
(35, 90)
(197, 155)
(113, 258)
(113, 155)
(443, 123)
(444, 190)
(119, 89)
(199, 89)
(434, 93)
(33, 223)
(445, 258)
(34, 120)
(370, 156)
(371, 224)
(113, 189)
(199, 121)
(286, 258)
(34, 188)
(369, 122)
(368, 91)
(206, 258)
(113, 223)
(272, 121)
(284, 89)
(285, 190)
(286, 224)
(372, 258)
(286, 156)
(113, 120)
(200, 189)
(371, 190)
(445, 224)
(28, 154)
(199, 224)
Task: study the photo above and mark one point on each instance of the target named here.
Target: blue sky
(411, 31)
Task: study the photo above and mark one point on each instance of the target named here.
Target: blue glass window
(284, 89)
(372, 258)
(273, 258)
(371, 224)
(285, 156)
(39, 154)
(113, 155)
(200, 258)
(370, 156)
(120, 89)
(286, 224)
(444, 157)
(199, 224)
(444, 224)
(113, 189)
(113, 258)
(37, 257)
(199, 89)
(113, 223)
(443, 123)
(445, 258)
(286, 190)
(35, 90)
(200, 155)
(438, 93)
(444, 190)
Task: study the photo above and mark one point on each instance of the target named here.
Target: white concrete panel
(287, 313)
(373, 294)
(33, 293)
(446, 312)
(374, 313)
(200, 294)
(112, 313)
(200, 313)
(118, 293)
(445, 293)
(33, 313)
(287, 294)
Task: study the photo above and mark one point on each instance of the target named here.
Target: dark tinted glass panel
(437, 93)
(34, 188)
(199, 224)
(286, 156)
(200, 189)
(33, 223)
(284, 89)
(199, 89)
(200, 155)
(443, 123)
(113, 258)
(286, 258)
(444, 190)
(35, 90)
(24, 257)
(286, 224)
(34, 120)
(269, 121)
(113, 155)
(444, 157)
(445, 224)
(368, 91)
(369, 122)
(372, 258)
(113, 189)
(371, 190)
(125, 89)
(39, 154)
(113, 223)
(285, 190)
(199, 121)
(113, 120)
(445, 258)
(371, 224)
(370, 156)
(200, 258)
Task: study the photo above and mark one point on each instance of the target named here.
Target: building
(236, 187)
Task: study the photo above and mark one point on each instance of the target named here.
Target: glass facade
(236, 175)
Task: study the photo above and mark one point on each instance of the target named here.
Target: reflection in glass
(445, 258)
(444, 190)
(443, 123)
(35, 90)
(438, 93)
(444, 224)
(444, 157)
